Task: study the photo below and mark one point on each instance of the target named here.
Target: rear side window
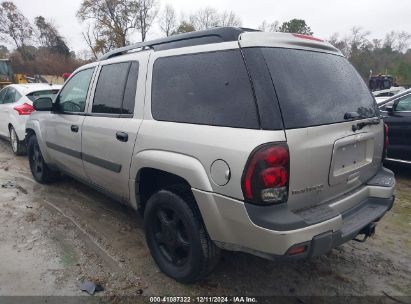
(10, 95)
(316, 88)
(116, 89)
(40, 94)
(206, 88)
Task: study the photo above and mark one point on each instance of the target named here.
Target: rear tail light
(266, 175)
(24, 109)
(386, 141)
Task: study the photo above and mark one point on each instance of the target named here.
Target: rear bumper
(270, 232)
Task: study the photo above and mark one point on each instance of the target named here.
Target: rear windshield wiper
(360, 125)
(374, 121)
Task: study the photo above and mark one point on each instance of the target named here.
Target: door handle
(122, 136)
(74, 128)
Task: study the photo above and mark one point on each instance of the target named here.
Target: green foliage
(49, 37)
(184, 27)
(296, 26)
(381, 56)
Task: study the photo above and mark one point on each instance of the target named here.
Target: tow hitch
(367, 231)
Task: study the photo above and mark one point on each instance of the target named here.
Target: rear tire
(17, 146)
(41, 172)
(176, 236)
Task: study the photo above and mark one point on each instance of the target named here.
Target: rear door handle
(122, 136)
(74, 128)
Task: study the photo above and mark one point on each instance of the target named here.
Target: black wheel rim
(170, 235)
(36, 160)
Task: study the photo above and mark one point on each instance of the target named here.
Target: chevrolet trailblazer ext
(267, 143)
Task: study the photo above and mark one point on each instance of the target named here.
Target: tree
(269, 27)
(14, 25)
(147, 12)
(209, 17)
(49, 37)
(110, 22)
(397, 41)
(296, 26)
(229, 19)
(205, 18)
(184, 27)
(168, 20)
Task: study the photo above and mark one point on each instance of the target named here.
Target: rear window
(207, 88)
(316, 88)
(40, 94)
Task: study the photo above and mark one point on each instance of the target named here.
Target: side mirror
(389, 109)
(43, 104)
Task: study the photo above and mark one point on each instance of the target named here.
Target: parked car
(397, 115)
(188, 130)
(16, 104)
(383, 95)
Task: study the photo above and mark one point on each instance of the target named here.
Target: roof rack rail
(214, 35)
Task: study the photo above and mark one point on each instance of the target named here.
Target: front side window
(404, 104)
(205, 88)
(116, 89)
(73, 96)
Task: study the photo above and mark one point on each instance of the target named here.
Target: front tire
(41, 172)
(176, 236)
(18, 147)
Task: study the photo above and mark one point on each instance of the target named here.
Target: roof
(28, 88)
(246, 37)
(214, 35)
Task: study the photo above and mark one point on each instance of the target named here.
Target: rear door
(334, 135)
(112, 123)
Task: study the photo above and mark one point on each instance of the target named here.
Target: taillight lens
(386, 141)
(266, 175)
(24, 109)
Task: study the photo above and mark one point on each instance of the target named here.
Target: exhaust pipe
(367, 231)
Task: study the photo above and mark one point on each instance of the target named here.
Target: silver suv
(266, 143)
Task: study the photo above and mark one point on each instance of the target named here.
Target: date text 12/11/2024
(206, 299)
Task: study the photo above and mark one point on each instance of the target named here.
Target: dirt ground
(54, 237)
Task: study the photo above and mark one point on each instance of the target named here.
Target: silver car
(266, 143)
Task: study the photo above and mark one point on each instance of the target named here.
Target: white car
(16, 105)
(383, 95)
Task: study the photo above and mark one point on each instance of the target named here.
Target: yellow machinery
(7, 76)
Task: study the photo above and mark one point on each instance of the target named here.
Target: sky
(325, 17)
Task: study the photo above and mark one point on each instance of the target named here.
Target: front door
(63, 129)
(399, 129)
(111, 126)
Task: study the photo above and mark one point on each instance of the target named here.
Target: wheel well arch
(29, 132)
(150, 180)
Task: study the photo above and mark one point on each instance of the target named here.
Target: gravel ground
(53, 237)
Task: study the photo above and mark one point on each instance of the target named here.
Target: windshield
(316, 88)
(39, 94)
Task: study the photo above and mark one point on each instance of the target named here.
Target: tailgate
(328, 161)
